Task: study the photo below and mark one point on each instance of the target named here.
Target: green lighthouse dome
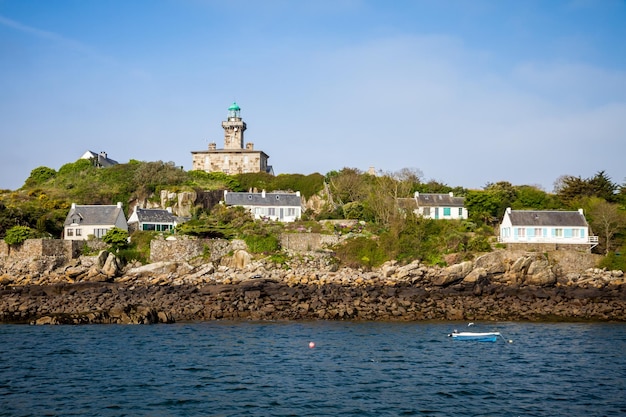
(234, 111)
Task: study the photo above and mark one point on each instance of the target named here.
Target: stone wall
(186, 249)
(34, 248)
(307, 242)
(547, 247)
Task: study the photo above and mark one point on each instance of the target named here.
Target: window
(426, 211)
(521, 231)
(70, 232)
(460, 211)
(538, 232)
(79, 232)
(558, 232)
(291, 211)
(446, 211)
(271, 211)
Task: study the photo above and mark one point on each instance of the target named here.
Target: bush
(18, 234)
(259, 243)
(361, 252)
(116, 238)
(39, 176)
(614, 261)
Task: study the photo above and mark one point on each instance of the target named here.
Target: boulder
(453, 273)
(112, 266)
(475, 275)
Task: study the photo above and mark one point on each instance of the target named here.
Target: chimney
(249, 146)
(581, 211)
(451, 194)
(298, 193)
(119, 204)
(169, 210)
(508, 210)
(212, 146)
(73, 206)
(263, 194)
(416, 194)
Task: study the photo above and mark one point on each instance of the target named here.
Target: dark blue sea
(355, 369)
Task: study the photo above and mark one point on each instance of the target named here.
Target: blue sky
(468, 92)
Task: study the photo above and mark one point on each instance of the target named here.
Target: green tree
(346, 186)
(607, 220)
(39, 176)
(530, 197)
(571, 190)
(18, 234)
(117, 238)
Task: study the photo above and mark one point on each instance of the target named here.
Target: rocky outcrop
(501, 285)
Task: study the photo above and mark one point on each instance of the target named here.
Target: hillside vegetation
(384, 230)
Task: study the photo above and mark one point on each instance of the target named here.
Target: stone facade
(307, 242)
(188, 250)
(234, 158)
(34, 248)
(547, 247)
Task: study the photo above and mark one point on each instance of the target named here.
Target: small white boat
(477, 337)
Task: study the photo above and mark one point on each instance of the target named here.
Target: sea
(312, 368)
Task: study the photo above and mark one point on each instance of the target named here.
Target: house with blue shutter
(546, 226)
(440, 206)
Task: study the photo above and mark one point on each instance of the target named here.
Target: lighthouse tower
(233, 127)
(235, 158)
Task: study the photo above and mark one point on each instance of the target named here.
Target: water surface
(355, 369)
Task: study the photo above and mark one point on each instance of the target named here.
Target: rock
(540, 273)
(111, 267)
(475, 275)
(453, 274)
(242, 259)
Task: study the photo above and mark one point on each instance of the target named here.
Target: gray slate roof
(256, 199)
(93, 215)
(155, 216)
(547, 218)
(102, 159)
(439, 200)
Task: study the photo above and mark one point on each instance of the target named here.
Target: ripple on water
(267, 369)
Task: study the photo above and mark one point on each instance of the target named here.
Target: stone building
(234, 158)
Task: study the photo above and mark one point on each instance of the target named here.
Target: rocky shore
(501, 285)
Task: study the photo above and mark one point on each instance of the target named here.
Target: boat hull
(476, 337)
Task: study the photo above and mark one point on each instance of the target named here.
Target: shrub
(39, 176)
(361, 252)
(116, 238)
(262, 243)
(614, 261)
(18, 234)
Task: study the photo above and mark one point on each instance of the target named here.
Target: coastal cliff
(501, 285)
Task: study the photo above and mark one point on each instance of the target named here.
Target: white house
(157, 220)
(99, 159)
(545, 226)
(283, 207)
(440, 206)
(93, 220)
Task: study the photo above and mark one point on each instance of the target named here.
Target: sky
(466, 92)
